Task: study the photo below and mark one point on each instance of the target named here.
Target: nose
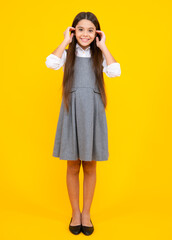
(85, 33)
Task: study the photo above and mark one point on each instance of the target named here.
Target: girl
(81, 135)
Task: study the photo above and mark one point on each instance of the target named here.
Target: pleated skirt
(82, 132)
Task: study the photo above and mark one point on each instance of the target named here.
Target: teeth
(84, 39)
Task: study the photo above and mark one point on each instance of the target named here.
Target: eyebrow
(88, 28)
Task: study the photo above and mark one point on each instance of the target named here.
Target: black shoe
(75, 229)
(87, 230)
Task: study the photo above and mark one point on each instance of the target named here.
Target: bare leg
(89, 169)
(72, 178)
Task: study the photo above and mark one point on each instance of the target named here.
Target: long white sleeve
(111, 70)
(54, 62)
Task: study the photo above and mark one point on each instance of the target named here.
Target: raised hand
(68, 37)
(100, 43)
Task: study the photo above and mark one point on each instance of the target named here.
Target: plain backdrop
(132, 197)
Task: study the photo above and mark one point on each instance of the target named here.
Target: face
(85, 32)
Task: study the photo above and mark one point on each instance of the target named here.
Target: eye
(89, 30)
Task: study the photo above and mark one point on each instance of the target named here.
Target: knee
(89, 167)
(73, 166)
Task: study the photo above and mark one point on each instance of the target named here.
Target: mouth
(85, 39)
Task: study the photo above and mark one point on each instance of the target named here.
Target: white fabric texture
(55, 63)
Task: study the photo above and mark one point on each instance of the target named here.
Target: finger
(71, 28)
(100, 33)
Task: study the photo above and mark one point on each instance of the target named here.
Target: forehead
(85, 23)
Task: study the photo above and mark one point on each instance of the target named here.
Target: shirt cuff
(52, 56)
(53, 62)
(113, 70)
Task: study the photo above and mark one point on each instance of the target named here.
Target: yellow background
(132, 197)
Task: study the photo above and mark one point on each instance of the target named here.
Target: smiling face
(85, 32)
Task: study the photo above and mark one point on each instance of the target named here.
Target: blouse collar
(79, 47)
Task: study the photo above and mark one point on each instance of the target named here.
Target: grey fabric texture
(82, 133)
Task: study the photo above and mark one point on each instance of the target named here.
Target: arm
(109, 58)
(54, 62)
(60, 49)
(58, 57)
(101, 44)
(110, 66)
(111, 70)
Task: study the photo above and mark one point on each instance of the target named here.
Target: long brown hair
(97, 58)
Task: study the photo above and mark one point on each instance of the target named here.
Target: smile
(84, 39)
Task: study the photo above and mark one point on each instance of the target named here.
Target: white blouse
(54, 62)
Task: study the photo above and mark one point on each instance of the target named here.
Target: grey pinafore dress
(82, 132)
